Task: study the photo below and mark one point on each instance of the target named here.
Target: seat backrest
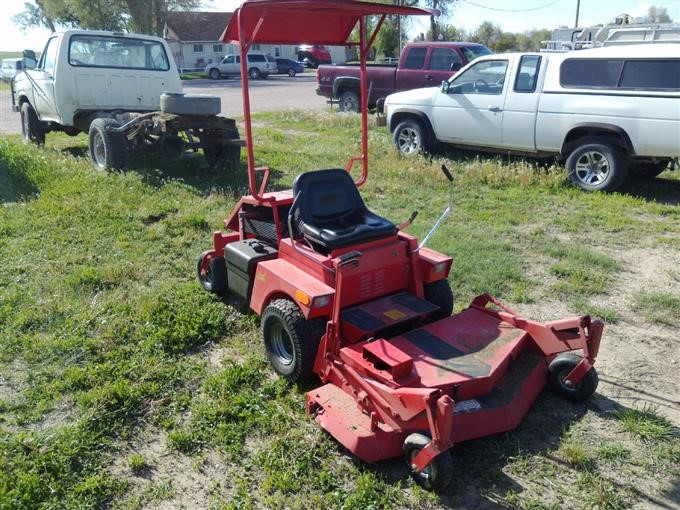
(326, 195)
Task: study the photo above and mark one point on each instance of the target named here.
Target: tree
(487, 34)
(144, 16)
(445, 7)
(657, 15)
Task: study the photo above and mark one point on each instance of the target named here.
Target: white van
(607, 112)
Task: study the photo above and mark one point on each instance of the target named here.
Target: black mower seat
(331, 214)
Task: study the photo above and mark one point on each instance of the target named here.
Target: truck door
(444, 63)
(409, 74)
(42, 82)
(521, 105)
(470, 109)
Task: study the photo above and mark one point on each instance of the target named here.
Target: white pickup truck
(125, 91)
(606, 112)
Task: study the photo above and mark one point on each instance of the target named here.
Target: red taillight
(317, 74)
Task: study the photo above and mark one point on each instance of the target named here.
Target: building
(195, 40)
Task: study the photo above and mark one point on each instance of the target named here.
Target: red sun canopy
(305, 21)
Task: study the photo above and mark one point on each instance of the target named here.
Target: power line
(510, 10)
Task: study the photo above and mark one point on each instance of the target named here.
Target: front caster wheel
(213, 275)
(559, 369)
(438, 473)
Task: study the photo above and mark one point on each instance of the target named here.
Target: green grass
(198, 75)
(659, 307)
(646, 424)
(105, 334)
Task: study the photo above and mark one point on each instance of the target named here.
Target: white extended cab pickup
(607, 112)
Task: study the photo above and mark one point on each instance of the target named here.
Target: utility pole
(578, 6)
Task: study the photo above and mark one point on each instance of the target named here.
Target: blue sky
(511, 15)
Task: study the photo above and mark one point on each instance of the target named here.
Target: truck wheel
(438, 473)
(559, 369)
(214, 74)
(290, 341)
(410, 138)
(213, 275)
(108, 149)
(31, 127)
(291, 73)
(597, 164)
(254, 73)
(440, 294)
(648, 170)
(349, 101)
(190, 104)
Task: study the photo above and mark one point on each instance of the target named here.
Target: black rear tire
(438, 473)
(349, 101)
(558, 370)
(440, 294)
(214, 74)
(108, 149)
(291, 73)
(291, 342)
(597, 164)
(31, 127)
(214, 279)
(254, 73)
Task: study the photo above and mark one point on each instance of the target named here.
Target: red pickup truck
(422, 64)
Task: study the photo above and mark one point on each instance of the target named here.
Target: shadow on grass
(660, 190)
(15, 186)
(480, 480)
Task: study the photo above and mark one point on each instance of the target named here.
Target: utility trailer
(349, 298)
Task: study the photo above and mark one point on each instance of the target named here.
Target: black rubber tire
(291, 342)
(254, 73)
(107, 148)
(349, 101)
(224, 157)
(291, 73)
(214, 74)
(439, 471)
(440, 294)
(648, 170)
(410, 138)
(597, 164)
(190, 104)
(215, 278)
(31, 127)
(558, 370)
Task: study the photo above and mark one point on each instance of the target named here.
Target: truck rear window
(638, 74)
(117, 52)
(415, 58)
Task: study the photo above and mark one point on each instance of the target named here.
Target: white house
(195, 40)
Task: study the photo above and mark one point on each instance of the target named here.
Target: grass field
(123, 384)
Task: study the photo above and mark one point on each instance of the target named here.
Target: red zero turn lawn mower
(349, 297)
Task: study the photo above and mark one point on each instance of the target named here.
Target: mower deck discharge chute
(348, 297)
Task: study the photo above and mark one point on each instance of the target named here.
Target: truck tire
(410, 137)
(597, 164)
(254, 73)
(349, 101)
(108, 149)
(214, 74)
(190, 104)
(31, 127)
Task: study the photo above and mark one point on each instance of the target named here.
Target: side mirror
(445, 87)
(28, 57)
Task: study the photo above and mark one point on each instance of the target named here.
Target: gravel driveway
(271, 94)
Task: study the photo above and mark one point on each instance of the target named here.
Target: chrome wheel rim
(350, 104)
(592, 168)
(280, 344)
(408, 141)
(99, 149)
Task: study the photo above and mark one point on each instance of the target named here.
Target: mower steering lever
(349, 258)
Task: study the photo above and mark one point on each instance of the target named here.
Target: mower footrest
(364, 320)
(339, 415)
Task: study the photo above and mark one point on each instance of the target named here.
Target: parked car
(420, 64)
(289, 67)
(10, 68)
(606, 112)
(123, 90)
(314, 55)
(259, 66)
